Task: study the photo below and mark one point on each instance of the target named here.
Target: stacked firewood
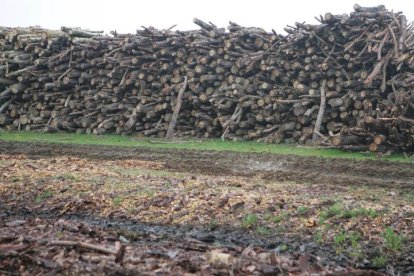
(346, 82)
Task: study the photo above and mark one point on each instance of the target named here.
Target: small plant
(168, 184)
(340, 239)
(43, 196)
(334, 210)
(357, 253)
(263, 230)
(302, 210)
(392, 241)
(249, 220)
(278, 218)
(117, 200)
(379, 261)
(318, 237)
(354, 237)
(356, 250)
(360, 212)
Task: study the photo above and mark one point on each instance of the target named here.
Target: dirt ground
(68, 209)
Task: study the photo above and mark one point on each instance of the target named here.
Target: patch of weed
(360, 212)
(332, 211)
(392, 241)
(249, 220)
(43, 196)
(318, 237)
(302, 210)
(263, 230)
(379, 261)
(117, 200)
(278, 218)
(339, 239)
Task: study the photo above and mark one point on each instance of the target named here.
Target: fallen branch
(83, 245)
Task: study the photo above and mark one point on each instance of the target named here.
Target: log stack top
(346, 82)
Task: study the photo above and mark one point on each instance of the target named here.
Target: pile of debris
(346, 82)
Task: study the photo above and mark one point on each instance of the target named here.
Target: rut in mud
(77, 209)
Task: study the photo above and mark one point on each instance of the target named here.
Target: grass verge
(207, 145)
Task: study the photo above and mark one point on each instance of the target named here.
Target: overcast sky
(126, 16)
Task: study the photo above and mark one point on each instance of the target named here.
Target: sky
(126, 16)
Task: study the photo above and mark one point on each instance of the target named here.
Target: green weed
(117, 200)
(318, 237)
(302, 210)
(392, 241)
(249, 220)
(263, 230)
(379, 261)
(360, 212)
(43, 196)
(278, 218)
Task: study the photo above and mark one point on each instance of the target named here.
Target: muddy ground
(68, 209)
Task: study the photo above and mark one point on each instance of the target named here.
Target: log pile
(346, 82)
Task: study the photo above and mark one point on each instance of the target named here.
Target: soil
(267, 166)
(65, 208)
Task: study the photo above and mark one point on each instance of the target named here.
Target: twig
(288, 101)
(384, 75)
(377, 69)
(83, 245)
(320, 113)
(18, 72)
(395, 42)
(4, 106)
(172, 27)
(64, 74)
(113, 51)
(171, 126)
(381, 45)
(122, 83)
(405, 119)
(5, 93)
(70, 58)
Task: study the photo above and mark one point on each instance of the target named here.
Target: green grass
(43, 196)
(117, 200)
(360, 212)
(278, 218)
(263, 230)
(249, 220)
(212, 144)
(338, 210)
(379, 261)
(392, 241)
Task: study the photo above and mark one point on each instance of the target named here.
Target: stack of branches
(346, 82)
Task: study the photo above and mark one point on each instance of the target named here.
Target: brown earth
(73, 209)
(267, 166)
